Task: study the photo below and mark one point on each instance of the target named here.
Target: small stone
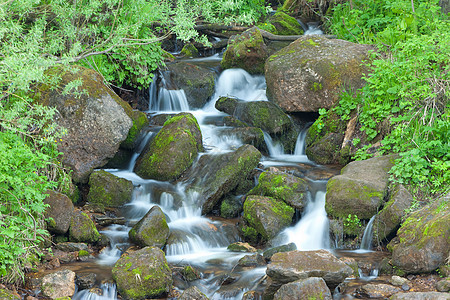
(443, 285)
(241, 247)
(405, 287)
(86, 281)
(398, 281)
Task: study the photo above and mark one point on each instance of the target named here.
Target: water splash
(366, 242)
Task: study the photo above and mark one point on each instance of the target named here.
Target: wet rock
(267, 215)
(172, 150)
(72, 247)
(85, 281)
(304, 289)
(283, 248)
(58, 284)
(82, 229)
(140, 122)
(59, 212)
(197, 82)
(231, 207)
(151, 230)
(423, 239)
(142, 274)
(241, 247)
(398, 281)
(109, 190)
(253, 260)
(421, 296)
(248, 135)
(290, 266)
(312, 71)
(285, 24)
(360, 189)
(262, 114)
(352, 263)
(107, 220)
(246, 51)
(377, 290)
(251, 295)
(189, 50)
(388, 220)
(190, 274)
(193, 293)
(443, 285)
(96, 122)
(216, 175)
(282, 186)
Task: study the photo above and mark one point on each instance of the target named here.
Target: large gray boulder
(388, 220)
(267, 215)
(197, 82)
(93, 115)
(282, 186)
(360, 189)
(216, 175)
(304, 289)
(59, 213)
(246, 51)
(109, 190)
(423, 239)
(172, 150)
(286, 267)
(58, 284)
(143, 274)
(262, 114)
(151, 230)
(312, 71)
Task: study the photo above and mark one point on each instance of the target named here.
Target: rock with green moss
(267, 215)
(93, 115)
(246, 51)
(304, 289)
(388, 220)
(193, 293)
(197, 82)
(252, 260)
(189, 50)
(151, 230)
(285, 24)
(360, 189)
(172, 150)
(8, 295)
(58, 213)
(231, 207)
(216, 175)
(423, 241)
(109, 190)
(190, 274)
(143, 274)
(312, 72)
(82, 229)
(140, 122)
(262, 114)
(282, 186)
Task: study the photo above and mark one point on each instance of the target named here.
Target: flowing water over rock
(199, 241)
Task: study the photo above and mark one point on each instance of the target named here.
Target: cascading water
(195, 239)
(366, 242)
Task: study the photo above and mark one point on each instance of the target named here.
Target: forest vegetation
(408, 85)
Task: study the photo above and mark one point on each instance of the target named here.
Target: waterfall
(366, 242)
(276, 149)
(170, 100)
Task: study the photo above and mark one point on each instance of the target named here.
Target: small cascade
(300, 144)
(312, 231)
(139, 150)
(166, 99)
(276, 149)
(313, 28)
(366, 242)
(108, 292)
(372, 275)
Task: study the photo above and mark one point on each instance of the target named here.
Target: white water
(366, 242)
(199, 241)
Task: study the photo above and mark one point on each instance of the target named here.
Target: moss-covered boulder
(285, 24)
(262, 114)
(423, 243)
(93, 115)
(82, 229)
(282, 186)
(312, 72)
(151, 230)
(197, 82)
(59, 212)
(267, 215)
(142, 274)
(109, 190)
(189, 50)
(8, 295)
(231, 207)
(172, 150)
(388, 220)
(140, 121)
(246, 51)
(216, 175)
(304, 289)
(360, 189)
